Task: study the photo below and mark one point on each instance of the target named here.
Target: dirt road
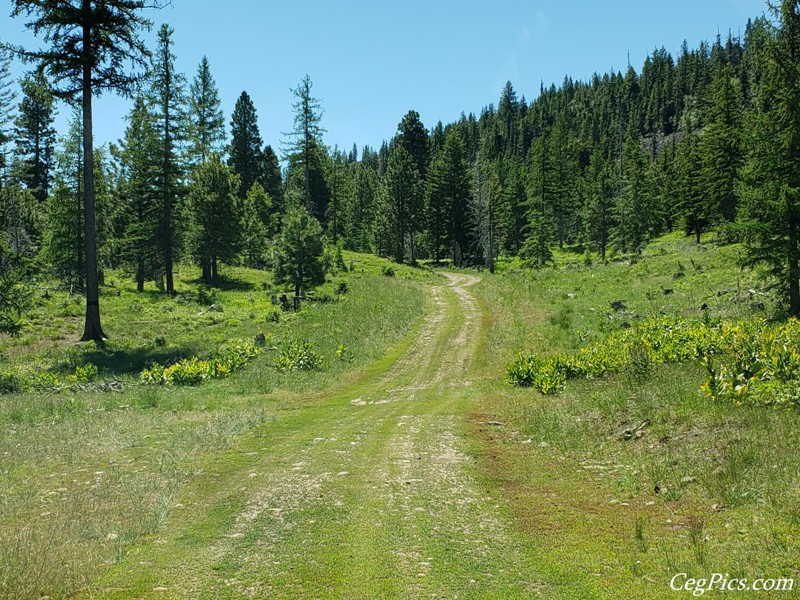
(367, 492)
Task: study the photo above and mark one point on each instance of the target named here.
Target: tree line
(704, 141)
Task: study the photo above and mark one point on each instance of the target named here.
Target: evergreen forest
(700, 141)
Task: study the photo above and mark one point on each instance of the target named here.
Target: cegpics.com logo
(725, 583)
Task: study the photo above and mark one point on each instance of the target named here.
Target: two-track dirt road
(365, 492)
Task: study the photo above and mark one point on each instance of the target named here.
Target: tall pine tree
(721, 144)
(771, 186)
(273, 181)
(634, 210)
(140, 174)
(413, 137)
(206, 120)
(304, 148)
(35, 135)
(600, 198)
(245, 156)
(694, 205)
(168, 102)
(404, 193)
(91, 44)
(448, 196)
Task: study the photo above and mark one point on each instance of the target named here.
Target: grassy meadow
(610, 487)
(643, 476)
(87, 468)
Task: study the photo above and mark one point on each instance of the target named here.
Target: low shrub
(229, 358)
(522, 370)
(745, 362)
(549, 376)
(84, 374)
(298, 355)
(154, 374)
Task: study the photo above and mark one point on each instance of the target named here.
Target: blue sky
(372, 61)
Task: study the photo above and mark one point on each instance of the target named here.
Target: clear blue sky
(372, 61)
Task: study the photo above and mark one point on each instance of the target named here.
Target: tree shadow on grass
(112, 361)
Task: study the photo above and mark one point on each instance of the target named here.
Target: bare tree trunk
(168, 258)
(80, 243)
(92, 328)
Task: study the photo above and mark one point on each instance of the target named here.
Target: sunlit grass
(702, 487)
(85, 472)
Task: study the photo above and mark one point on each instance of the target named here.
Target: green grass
(85, 472)
(406, 466)
(704, 488)
(365, 491)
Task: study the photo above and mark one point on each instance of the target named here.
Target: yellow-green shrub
(193, 371)
(745, 362)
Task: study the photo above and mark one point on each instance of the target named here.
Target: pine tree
(7, 97)
(565, 179)
(20, 222)
(694, 205)
(600, 187)
(139, 194)
(299, 251)
(341, 191)
(273, 181)
(381, 235)
(438, 208)
(35, 135)
(404, 191)
(540, 227)
(437, 138)
(64, 245)
(413, 137)
(507, 116)
(168, 102)
(246, 157)
(482, 212)
(721, 146)
(513, 210)
(206, 120)
(16, 295)
(216, 215)
(91, 43)
(771, 177)
(535, 251)
(634, 210)
(448, 196)
(264, 208)
(258, 224)
(664, 185)
(304, 150)
(108, 255)
(362, 208)
(319, 183)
